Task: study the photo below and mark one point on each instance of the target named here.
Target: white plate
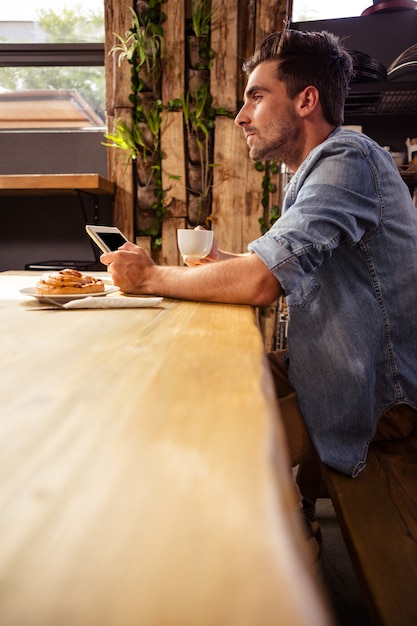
(62, 299)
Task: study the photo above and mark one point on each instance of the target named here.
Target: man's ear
(307, 100)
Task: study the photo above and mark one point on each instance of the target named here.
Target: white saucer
(62, 299)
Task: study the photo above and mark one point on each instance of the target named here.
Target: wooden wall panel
(173, 164)
(224, 40)
(172, 130)
(174, 50)
(122, 173)
(118, 19)
(109, 22)
(237, 190)
(270, 17)
(246, 39)
(170, 254)
(145, 243)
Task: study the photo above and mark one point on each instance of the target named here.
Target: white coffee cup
(194, 243)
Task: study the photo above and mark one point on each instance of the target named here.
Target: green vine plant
(201, 14)
(124, 138)
(142, 45)
(271, 211)
(199, 115)
(134, 139)
(199, 120)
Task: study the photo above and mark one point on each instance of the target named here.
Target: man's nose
(241, 118)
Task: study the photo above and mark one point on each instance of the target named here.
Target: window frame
(51, 54)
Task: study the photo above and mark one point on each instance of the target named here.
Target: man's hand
(192, 261)
(212, 256)
(128, 267)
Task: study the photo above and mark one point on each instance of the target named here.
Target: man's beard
(284, 145)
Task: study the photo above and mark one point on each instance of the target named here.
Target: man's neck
(314, 136)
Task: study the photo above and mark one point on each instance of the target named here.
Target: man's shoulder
(343, 142)
(348, 136)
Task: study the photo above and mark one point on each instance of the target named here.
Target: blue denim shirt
(345, 253)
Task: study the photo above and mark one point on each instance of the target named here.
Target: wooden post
(174, 50)
(118, 19)
(224, 40)
(271, 16)
(172, 131)
(170, 254)
(237, 190)
(121, 172)
(173, 164)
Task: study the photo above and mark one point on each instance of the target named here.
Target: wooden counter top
(31, 184)
(144, 477)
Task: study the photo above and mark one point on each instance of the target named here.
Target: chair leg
(310, 482)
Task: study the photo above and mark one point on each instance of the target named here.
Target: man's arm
(241, 280)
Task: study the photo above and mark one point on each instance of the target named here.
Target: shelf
(36, 184)
(381, 98)
(409, 174)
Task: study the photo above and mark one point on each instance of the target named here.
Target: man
(343, 253)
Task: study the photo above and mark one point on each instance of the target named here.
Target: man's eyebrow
(255, 88)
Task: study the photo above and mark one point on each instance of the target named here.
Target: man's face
(268, 117)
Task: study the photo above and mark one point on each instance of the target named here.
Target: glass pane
(305, 10)
(51, 21)
(52, 97)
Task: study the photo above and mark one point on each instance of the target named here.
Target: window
(52, 64)
(306, 10)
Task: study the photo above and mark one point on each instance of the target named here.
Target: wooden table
(142, 483)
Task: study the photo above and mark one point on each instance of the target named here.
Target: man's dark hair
(309, 58)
